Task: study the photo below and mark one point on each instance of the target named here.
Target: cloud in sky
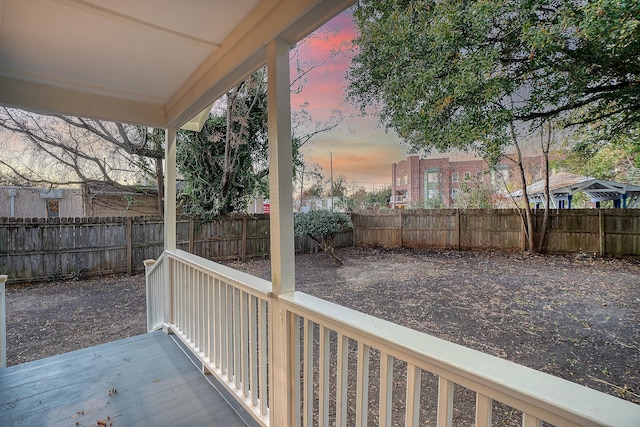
(362, 151)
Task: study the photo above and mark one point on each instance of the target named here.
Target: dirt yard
(575, 317)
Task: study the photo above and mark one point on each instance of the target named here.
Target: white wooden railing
(342, 366)
(221, 315)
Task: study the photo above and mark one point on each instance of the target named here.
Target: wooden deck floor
(145, 380)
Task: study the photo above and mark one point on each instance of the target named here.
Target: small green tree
(474, 195)
(322, 226)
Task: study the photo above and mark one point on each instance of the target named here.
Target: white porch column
(170, 189)
(280, 168)
(281, 395)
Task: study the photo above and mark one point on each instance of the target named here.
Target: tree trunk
(327, 247)
(532, 248)
(160, 185)
(157, 139)
(545, 158)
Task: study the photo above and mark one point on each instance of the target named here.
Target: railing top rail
(157, 264)
(251, 284)
(550, 398)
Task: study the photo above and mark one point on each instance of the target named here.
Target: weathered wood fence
(40, 250)
(604, 232)
(65, 248)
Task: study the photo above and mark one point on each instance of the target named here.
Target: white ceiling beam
(42, 98)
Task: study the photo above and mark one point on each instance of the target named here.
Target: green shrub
(322, 226)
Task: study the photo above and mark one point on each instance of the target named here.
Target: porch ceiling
(152, 62)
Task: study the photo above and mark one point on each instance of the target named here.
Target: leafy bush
(322, 226)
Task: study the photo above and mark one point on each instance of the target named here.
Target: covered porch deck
(287, 358)
(140, 381)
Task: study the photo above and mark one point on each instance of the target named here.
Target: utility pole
(331, 176)
(301, 188)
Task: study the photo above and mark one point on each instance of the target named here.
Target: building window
(431, 185)
(53, 208)
(454, 193)
(404, 179)
(398, 181)
(467, 176)
(454, 177)
(479, 175)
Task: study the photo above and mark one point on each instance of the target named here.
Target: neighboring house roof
(563, 184)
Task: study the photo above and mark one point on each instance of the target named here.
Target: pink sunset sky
(362, 151)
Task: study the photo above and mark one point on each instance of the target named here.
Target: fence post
(3, 322)
(458, 227)
(129, 246)
(601, 232)
(245, 224)
(353, 232)
(148, 263)
(401, 230)
(192, 232)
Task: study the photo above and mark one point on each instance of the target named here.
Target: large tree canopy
(226, 163)
(456, 74)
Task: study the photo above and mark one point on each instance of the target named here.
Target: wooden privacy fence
(40, 249)
(64, 248)
(604, 232)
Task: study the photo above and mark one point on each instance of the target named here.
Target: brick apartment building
(435, 182)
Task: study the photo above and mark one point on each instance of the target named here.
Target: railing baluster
(244, 340)
(483, 410)
(231, 327)
(187, 302)
(323, 371)
(208, 315)
(197, 307)
(445, 402)
(386, 389)
(253, 348)
(297, 374)
(180, 278)
(3, 321)
(217, 334)
(362, 392)
(183, 298)
(307, 394)
(169, 294)
(223, 327)
(412, 411)
(192, 307)
(341, 380)
(201, 310)
(263, 358)
(237, 338)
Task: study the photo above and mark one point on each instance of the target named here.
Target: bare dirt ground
(575, 317)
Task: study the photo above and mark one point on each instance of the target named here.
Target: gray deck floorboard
(145, 380)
